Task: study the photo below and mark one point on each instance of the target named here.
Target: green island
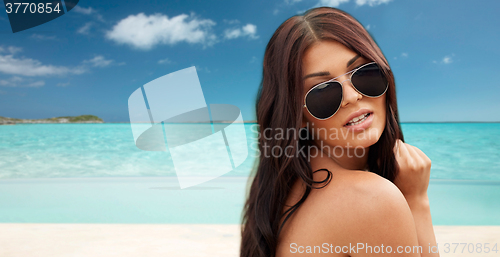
(63, 119)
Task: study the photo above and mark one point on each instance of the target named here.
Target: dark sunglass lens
(370, 80)
(324, 100)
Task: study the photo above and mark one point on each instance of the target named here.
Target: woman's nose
(350, 94)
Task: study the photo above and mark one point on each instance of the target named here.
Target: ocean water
(94, 173)
(465, 151)
(156, 200)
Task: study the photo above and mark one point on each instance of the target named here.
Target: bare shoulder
(374, 195)
(368, 187)
(355, 207)
(359, 188)
(363, 207)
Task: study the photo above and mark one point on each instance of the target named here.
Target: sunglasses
(324, 99)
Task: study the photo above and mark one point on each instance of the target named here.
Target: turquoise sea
(458, 151)
(94, 173)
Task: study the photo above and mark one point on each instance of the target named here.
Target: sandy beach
(179, 240)
(151, 216)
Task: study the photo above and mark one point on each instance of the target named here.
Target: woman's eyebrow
(350, 62)
(325, 73)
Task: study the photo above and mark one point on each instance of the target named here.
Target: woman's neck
(348, 158)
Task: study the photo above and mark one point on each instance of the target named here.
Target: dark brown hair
(279, 106)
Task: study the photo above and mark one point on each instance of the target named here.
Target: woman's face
(330, 59)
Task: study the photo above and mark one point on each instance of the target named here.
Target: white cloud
(21, 67)
(87, 11)
(292, 1)
(85, 29)
(31, 67)
(332, 3)
(367, 27)
(403, 55)
(231, 21)
(371, 2)
(43, 37)
(201, 68)
(232, 33)
(11, 49)
(248, 30)
(336, 3)
(144, 32)
(446, 60)
(164, 61)
(16, 81)
(99, 61)
(63, 84)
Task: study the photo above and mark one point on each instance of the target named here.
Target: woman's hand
(414, 172)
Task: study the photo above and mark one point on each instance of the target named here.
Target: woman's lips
(357, 114)
(363, 125)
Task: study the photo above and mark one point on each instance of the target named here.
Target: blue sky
(444, 54)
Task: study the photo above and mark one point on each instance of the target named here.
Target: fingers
(425, 160)
(422, 154)
(404, 151)
(415, 158)
(414, 165)
(410, 155)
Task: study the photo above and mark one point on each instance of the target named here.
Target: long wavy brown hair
(279, 106)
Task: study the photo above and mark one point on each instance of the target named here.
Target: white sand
(124, 240)
(467, 234)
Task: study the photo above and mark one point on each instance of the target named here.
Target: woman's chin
(362, 143)
(365, 139)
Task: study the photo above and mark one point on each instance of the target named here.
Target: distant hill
(64, 119)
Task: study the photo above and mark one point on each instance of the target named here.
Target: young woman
(345, 184)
